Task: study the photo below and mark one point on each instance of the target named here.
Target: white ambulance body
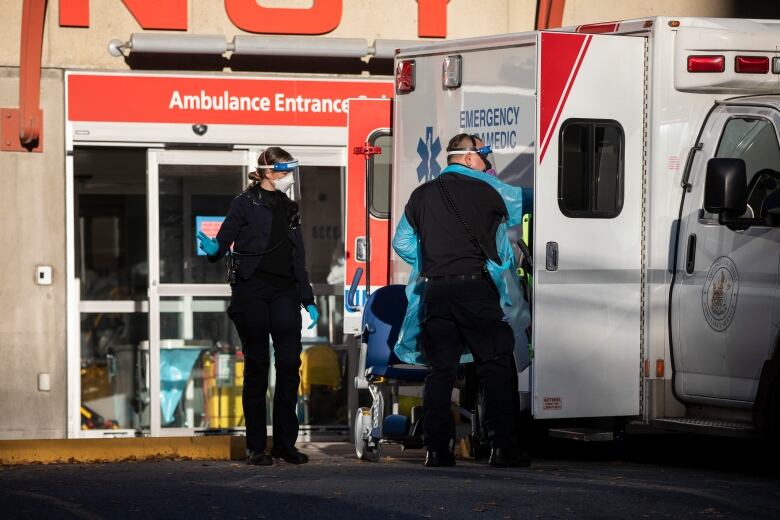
(644, 306)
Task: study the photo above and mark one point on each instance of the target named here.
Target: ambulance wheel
(361, 433)
(771, 428)
(774, 417)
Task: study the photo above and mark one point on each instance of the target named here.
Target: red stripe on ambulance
(598, 28)
(561, 58)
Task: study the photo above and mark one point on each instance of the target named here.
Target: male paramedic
(453, 233)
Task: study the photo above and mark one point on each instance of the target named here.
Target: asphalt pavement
(680, 478)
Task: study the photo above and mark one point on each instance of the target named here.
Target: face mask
(491, 172)
(285, 182)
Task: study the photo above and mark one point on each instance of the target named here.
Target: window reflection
(321, 223)
(112, 386)
(110, 235)
(188, 192)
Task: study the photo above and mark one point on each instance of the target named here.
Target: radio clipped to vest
(233, 261)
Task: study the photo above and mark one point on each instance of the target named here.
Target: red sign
(212, 100)
(322, 17)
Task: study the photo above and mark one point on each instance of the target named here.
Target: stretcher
(381, 372)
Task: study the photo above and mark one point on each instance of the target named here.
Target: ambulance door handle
(690, 255)
(551, 263)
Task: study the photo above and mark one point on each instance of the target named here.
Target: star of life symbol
(428, 151)
(719, 294)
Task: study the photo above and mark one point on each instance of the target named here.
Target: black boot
(509, 458)
(435, 458)
(258, 458)
(291, 455)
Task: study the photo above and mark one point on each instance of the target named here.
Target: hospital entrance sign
(157, 98)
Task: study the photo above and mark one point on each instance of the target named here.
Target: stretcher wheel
(361, 435)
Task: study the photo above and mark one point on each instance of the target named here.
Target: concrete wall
(32, 231)
(69, 47)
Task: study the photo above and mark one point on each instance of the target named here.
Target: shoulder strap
(474, 239)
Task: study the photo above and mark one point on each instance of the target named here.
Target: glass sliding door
(151, 348)
(111, 279)
(195, 368)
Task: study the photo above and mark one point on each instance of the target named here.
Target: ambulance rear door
(367, 207)
(587, 225)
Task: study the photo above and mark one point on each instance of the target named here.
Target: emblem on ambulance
(428, 150)
(719, 294)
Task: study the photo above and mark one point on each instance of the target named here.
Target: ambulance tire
(619, 440)
(766, 410)
(773, 422)
(772, 427)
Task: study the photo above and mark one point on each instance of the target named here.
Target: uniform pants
(466, 314)
(259, 310)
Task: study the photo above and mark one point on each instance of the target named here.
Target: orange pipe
(31, 45)
(549, 14)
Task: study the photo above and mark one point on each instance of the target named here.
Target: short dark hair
(461, 141)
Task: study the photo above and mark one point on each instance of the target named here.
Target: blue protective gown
(406, 244)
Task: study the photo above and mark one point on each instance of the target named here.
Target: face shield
(484, 152)
(290, 179)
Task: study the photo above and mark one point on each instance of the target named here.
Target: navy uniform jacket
(248, 226)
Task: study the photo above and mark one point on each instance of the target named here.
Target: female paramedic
(269, 282)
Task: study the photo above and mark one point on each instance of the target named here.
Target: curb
(63, 451)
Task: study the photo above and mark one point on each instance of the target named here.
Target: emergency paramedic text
(492, 117)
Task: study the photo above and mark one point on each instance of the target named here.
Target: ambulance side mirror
(725, 189)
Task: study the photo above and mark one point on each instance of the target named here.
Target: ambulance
(652, 150)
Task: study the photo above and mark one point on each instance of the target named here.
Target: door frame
(309, 155)
(368, 119)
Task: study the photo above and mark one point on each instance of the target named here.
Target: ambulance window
(590, 171)
(754, 140)
(381, 166)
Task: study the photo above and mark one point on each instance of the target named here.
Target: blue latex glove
(313, 314)
(209, 245)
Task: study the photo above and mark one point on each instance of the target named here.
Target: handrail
(349, 300)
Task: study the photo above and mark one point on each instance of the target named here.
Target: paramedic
(456, 217)
(269, 286)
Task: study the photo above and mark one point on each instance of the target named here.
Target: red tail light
(706, 63)
(404, 76)
(752, 64)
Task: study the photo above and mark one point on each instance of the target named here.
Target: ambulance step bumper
(582, 434)
(708, 426)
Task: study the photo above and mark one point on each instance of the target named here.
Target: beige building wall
(32, 316)
(70, 47)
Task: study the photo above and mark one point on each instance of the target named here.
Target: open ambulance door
(587, 225)
(367, 208)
